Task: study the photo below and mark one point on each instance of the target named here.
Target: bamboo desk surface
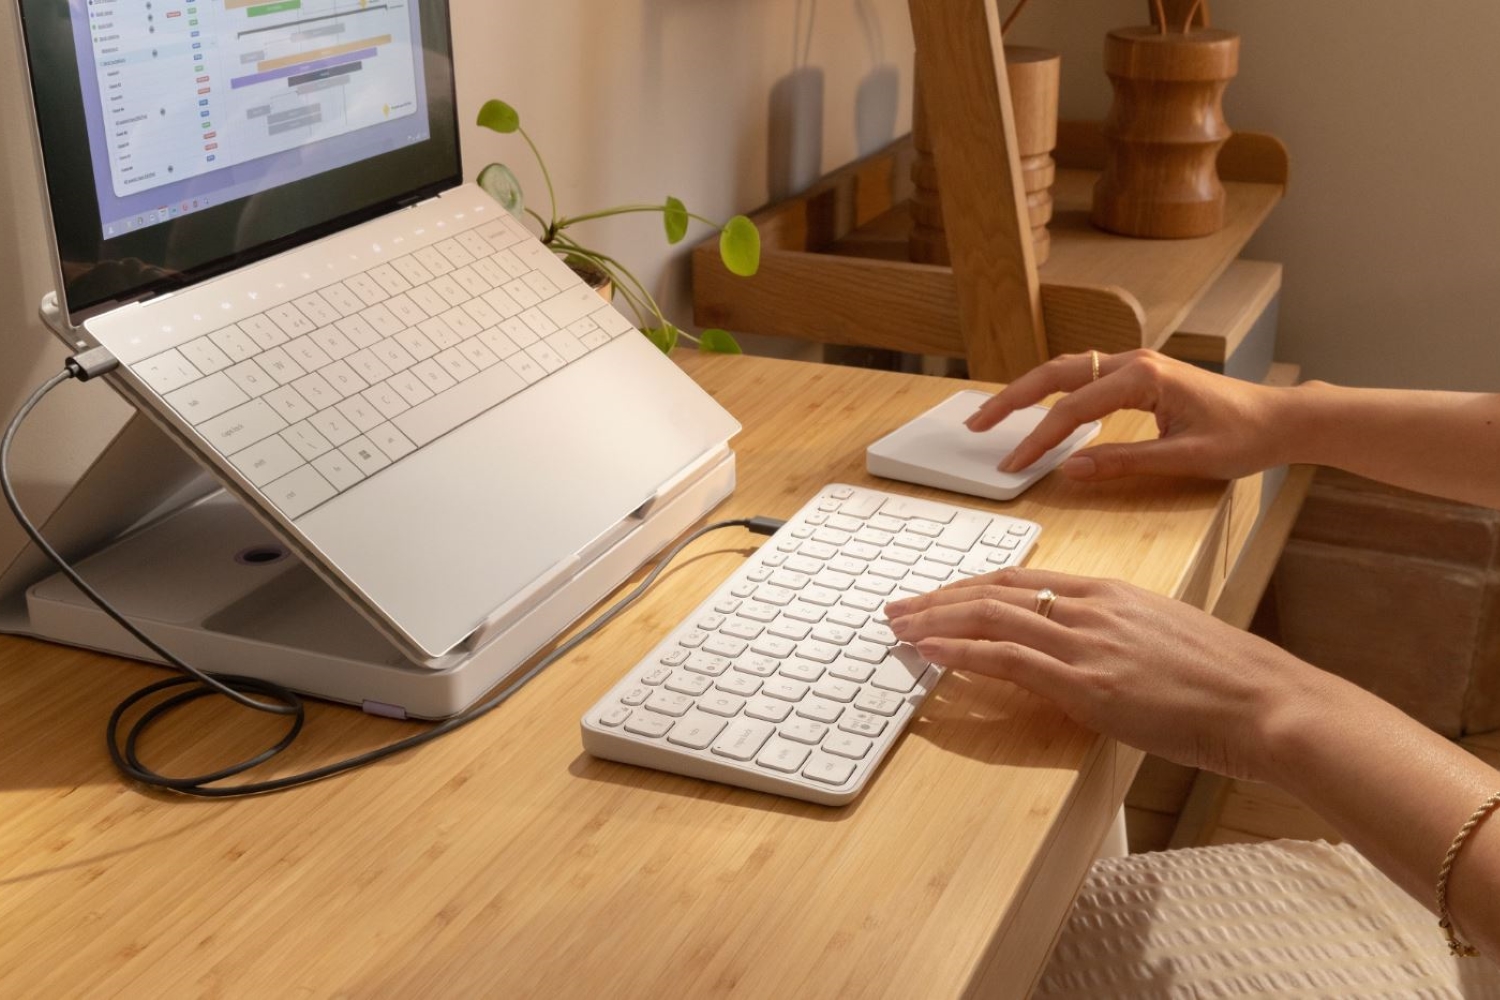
(502, 861)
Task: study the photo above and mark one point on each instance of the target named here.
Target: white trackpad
(936, 449)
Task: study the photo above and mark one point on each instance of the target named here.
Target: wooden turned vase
(1034, 76)
(1164, 132)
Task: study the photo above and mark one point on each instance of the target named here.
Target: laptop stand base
(212, 585)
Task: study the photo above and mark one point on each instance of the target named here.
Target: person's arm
(1442, 443)
(1174, 681)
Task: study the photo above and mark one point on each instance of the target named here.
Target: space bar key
(435, 417)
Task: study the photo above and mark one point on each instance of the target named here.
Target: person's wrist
(1292, 725)
(1304, 416)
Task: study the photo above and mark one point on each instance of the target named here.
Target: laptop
(258, 209)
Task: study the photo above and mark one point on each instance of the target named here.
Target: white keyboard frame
(613, 742)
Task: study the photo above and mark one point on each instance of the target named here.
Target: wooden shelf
(834, 265)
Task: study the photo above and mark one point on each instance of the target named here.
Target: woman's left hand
(1148, 670)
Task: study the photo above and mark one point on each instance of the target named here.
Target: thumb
(1162, 457)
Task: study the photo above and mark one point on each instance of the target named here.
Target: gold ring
(1094, 362)
(1045, 598)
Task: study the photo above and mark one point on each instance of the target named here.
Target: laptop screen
(182, 138)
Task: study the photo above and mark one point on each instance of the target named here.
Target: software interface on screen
(195, 103)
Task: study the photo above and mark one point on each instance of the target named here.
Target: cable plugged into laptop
(90, 364)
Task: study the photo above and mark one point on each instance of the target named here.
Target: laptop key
(299, 491)
(241, 427)
(166, 371)
(207, 397)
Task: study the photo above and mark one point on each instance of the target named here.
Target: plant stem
(641, 302)
(606, 213)
(546, 176)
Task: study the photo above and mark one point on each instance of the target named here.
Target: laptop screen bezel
(95, 274)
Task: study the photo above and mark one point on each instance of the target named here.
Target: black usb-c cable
(273, 698)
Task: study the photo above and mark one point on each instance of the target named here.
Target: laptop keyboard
(312, 395)
(787, 679)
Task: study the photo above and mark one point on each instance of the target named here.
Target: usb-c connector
(92, 363)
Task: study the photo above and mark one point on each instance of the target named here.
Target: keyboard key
(234, 342)
(502, 303)
(266, 460)
(456, 364)
(306, 440)
(434, 261)
(523, 365)
(469, 280)
(410, 389)
(455, 253)
(461, 323)
(334, 426)
(334, 343)
(416, 343)
(363, 453)
(407, 311)
(299, 491)
(439, 332)
(479, 356)
(290, 320)
(448, 289)
(471, 241)
(343, 379)
(167, 371)
(338, 470)
(264, 332)
(206, 356)
(782, 755)
(289, 403)
(317, 391)
(828, 769)
(428, 300)
(696, 731)
(412, 270)
(317, 309)
(207, 397)
(341, 298)
(433, 376)
(390, 279)
(369, 367)
(307, 353)
(391, 441)
(241, 427)
(742, 739)
(360, 412)
(386, 399)
(382, 320)
(278, 364)
(366, 288)
(251, 378)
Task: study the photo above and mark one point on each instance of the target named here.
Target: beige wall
(1390, 231)
(629, 99)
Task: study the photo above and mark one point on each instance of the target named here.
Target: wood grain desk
(503, 862)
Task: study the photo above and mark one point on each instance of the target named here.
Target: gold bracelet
(1445, 920)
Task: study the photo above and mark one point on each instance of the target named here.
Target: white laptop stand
(194, 569)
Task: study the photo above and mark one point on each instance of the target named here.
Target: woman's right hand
(1211, 426)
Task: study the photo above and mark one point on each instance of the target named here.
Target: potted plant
(739, 240)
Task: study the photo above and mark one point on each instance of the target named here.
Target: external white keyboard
(314, 394)
(787, 679)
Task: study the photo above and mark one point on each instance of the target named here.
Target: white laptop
(258, 209)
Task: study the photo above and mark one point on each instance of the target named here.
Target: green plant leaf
(675, 218)
(499, 117)
(739, 246)
(664, 337)
(500, 184)
(718, 342)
